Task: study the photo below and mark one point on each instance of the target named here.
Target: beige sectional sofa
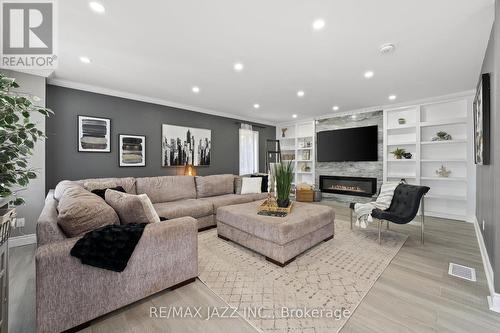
(69, 293)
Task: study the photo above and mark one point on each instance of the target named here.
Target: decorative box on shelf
(304, 195)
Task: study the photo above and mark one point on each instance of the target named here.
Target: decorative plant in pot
(283, 174)
(17, 139)
(398, 153)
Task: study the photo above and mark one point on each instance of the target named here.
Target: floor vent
(462, 272)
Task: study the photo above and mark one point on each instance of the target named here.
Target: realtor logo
(28, 35)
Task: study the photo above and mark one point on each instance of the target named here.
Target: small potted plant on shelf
(283, 175)
(398, 153)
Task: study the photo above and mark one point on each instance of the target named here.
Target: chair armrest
(69, 293)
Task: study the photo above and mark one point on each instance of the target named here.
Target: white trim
(147, 99)
(494, 298)
(442, 98)
(22, 240)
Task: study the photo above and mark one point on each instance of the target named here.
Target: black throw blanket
(109, 247)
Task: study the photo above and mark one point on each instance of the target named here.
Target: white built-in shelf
(304, 137)
(451, 121)
(305, 172)
(446, 179)
(402, 143)
(304, 160)
(403, 160)
(445, 160)
(401, 127)
(447, 197)
(443, 142)
(287, 148)
(395, 175)
(304, 148)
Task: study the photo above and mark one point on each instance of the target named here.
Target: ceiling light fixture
(97, 7)
(392, 97)
(335, 108)
(369, 74)
(354, 116)
(195, 89)
(238, 66)
(256, 106)
(85, 60)
(301, 93)
(319, 24)
(387, 48)
(294, 116)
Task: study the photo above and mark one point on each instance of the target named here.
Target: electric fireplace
(359, 186)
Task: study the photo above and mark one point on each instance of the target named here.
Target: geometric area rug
(317, 292)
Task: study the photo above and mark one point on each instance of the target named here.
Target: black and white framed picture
(481, 108)
(185, 145)
(94, 134)
(132, 150)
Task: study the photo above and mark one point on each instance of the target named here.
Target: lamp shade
(189, 170)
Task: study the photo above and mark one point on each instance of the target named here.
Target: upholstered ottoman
(279, 239)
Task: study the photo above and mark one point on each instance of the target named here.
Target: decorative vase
(283, 203)
(398, 157)
(402, 121)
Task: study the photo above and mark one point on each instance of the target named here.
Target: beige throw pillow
(132, 208)
(80, 211)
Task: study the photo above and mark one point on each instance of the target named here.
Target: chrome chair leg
(422, 222)
(379, 231)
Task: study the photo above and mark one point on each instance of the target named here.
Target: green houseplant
(398, 153)
(283, 174)
(17, 139)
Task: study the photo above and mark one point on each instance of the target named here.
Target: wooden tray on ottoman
(274, 208)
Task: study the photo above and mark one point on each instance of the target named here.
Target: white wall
(35, 192)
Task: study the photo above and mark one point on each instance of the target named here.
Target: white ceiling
(160, 49)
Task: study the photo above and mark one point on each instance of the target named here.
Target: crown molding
(152, 100)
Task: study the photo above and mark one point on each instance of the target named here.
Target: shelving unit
(300, 142)
(450, 197)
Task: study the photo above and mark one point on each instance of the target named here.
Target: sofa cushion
(128, 183)
(132, 208)
(227, 199)
(187, 207)
(209, 186)
(62, 186)
(102, 192)
(167, 188)
(237, 184)
(81, 211)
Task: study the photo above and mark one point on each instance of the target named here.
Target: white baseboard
(494, 298)
(22, 240)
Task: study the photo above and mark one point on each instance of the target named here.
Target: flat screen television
(350, 144)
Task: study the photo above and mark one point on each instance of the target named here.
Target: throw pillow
(80, 211)
(132, 208)
(250, 185)
(100, 192)
(265, 180)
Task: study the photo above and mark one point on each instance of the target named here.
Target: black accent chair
(403, 209)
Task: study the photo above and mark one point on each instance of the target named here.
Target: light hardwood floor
(414, 294)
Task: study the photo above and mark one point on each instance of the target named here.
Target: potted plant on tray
(283, 174)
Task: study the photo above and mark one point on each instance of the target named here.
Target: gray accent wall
(132, 117)
(488, 176)
(352, 169)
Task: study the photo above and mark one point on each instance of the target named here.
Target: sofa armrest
(69, 293)
(47, 229)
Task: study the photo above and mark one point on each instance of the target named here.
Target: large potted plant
(283, 175)
(18, 135)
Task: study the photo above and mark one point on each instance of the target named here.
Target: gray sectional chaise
(69, 293)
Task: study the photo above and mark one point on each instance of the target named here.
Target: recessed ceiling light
(256, 106)
(392, 97)
(85, 60)
(195, 89)
(238, 66)
(369, 74)
(97, 7)
(294, 116)
(387, 48)
(319, 24)
(354, 116)
(335, 108)
(301, 93)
